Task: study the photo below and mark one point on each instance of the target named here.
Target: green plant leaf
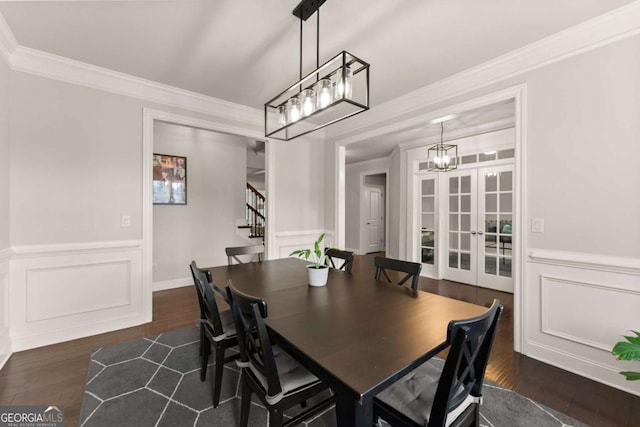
(626, 350)
(634, 340)
(631, 376)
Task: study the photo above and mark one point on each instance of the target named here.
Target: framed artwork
(169, 180)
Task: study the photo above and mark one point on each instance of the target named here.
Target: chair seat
(228, 326)
(413, 394)
(293, 376)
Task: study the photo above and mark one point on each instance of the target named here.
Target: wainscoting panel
(62, 293)
(576, 307)
(288, 241)
(71, 290)
(5, 337)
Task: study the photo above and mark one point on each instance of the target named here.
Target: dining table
(356, 334)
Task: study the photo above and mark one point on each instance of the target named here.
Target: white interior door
(461, 243)
(479, 227)
(374, 219)
(428, 224)
(495, 219)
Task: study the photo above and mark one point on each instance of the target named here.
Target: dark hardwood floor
(56, 374)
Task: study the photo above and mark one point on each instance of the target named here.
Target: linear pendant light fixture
(442, 157)
(334, 91)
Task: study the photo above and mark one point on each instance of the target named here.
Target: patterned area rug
(156, 382)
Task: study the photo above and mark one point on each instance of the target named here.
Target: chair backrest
(345, 256)
(209, 312)
(253, 339)
(233, 253)
(411, 268)
(195, 273)
(463, 372)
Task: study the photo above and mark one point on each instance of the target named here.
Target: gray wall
(216, 178)
(76, 163)
(4, 155)
(582, 153)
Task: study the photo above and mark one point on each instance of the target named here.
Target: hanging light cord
(441, 132)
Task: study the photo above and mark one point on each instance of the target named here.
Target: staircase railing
(255, 212)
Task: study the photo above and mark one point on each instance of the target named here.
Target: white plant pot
(317, 276)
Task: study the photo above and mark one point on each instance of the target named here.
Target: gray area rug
(156, 382)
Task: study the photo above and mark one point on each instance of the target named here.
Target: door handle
(480, 233)
(473, 232)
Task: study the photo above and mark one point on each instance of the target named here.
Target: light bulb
(343, 84)
(293, 107)
(323, 93)
(307, 102)
(282, 115)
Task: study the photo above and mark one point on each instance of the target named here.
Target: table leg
(351, 412)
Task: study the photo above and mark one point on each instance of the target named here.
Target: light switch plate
(125, 221)
(537, 225)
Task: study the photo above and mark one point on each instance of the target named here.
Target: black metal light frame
(440, 149)
(336, 66)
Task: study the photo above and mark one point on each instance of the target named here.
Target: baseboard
(172, 284)
(26, 342)
(587, 368)
(5, 347)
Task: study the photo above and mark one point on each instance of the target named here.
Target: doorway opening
(373, 213)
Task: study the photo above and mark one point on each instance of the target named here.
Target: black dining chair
(334, 254)
(217, 329)
(251, 253)
(412, 270)
(278, 380)
(436, 396)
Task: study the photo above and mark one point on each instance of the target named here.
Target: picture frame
(169, 179)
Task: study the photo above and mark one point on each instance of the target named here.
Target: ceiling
(247, 51)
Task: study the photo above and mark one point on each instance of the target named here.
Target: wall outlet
(537, 225)
(125, 221)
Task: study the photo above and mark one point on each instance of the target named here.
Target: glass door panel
(495, 221)
(461, 260)
(427, 236)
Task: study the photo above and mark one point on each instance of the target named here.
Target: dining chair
(334, 254)
(277, 379)
(436, 396)
(256, 253)
(217, 329)
(412, 269)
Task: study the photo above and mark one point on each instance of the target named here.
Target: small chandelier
(334, 91)
(442, 157)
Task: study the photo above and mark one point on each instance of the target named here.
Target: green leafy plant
(628, 350)
(315, 255)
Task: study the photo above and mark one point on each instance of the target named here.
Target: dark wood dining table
(356, 334)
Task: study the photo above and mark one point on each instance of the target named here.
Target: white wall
(75, 156)
(5, 343)
(4, 155)
(216, 177)
(580, 288)
(354, 198)
(76, 168)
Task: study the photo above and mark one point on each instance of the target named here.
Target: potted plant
(628, 350)
(318, 271)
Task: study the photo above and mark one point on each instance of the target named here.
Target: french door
(479, 227)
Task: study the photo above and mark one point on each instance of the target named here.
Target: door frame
(519, 94)
(362, 245)
(149, 117)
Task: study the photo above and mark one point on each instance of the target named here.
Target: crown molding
(607, 28)
(8, 43)
(610, 27)
(43, 64)
(59, 68)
